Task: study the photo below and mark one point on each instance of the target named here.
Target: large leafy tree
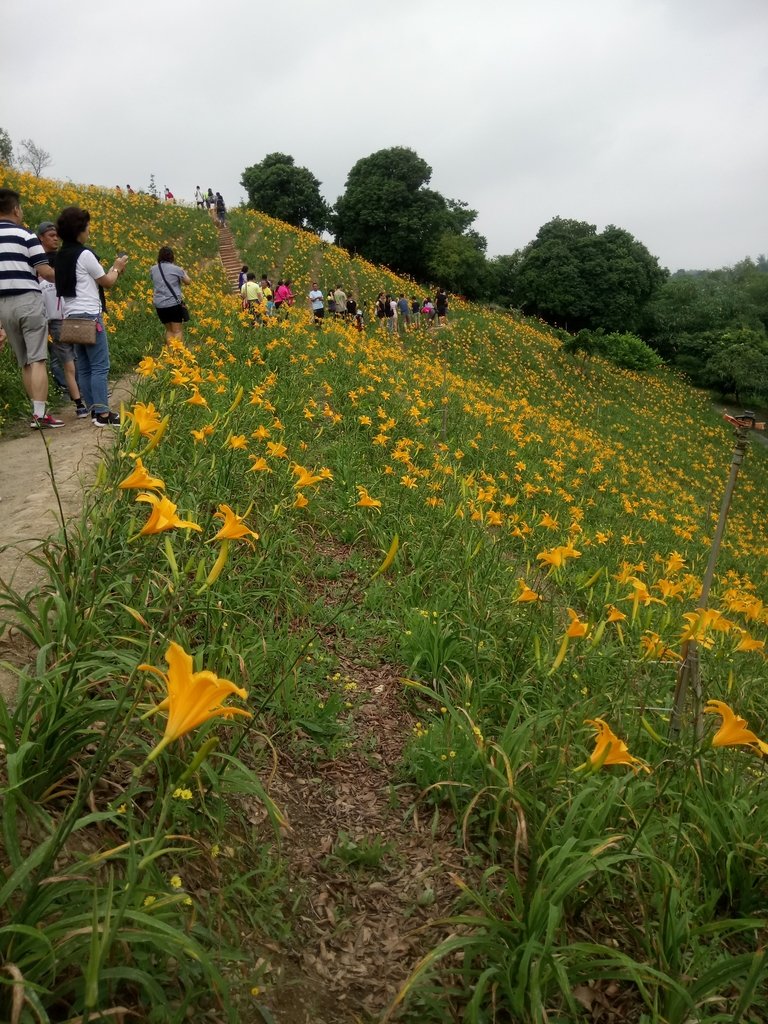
(458, 262)
(389, 215)
(281, 189)
(572, 274)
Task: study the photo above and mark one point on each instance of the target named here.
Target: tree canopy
(572, 274)
(281, 189)
(389, 215)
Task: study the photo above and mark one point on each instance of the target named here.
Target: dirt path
(28, 508)
(360, 931)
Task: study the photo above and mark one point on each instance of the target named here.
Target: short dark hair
(243, 269)
(165, 255)
(73, 220)
(251, 276)
(9, 200)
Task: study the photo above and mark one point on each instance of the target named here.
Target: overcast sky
(648, 114)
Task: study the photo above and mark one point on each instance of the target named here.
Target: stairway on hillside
(229, 256)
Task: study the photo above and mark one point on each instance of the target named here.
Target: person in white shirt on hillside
(80, 283)
(62, 355)
(318, 307)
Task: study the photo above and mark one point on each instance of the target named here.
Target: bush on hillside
(624, 350)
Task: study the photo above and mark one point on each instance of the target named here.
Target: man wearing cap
(22, 312)
(63, 364)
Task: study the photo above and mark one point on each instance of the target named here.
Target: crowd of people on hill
(53, 285)
(394, 314)
(211, 201)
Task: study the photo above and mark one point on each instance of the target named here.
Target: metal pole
(689, 675)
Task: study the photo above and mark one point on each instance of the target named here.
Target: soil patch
(362, 928)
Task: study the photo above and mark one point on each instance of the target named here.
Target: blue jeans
(93, 368)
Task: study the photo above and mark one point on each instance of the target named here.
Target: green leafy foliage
(625, 350)
(389, 215)
(573, 275)
(281, 189)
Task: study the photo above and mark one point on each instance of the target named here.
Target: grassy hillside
(457, 545)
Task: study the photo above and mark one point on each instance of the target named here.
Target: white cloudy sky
(649, 114)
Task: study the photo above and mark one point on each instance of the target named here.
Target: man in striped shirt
(22, 312)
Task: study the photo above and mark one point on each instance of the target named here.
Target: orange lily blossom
(733, 731)
(146, 418)
(305, 477)
(609, 749)
(365, 500)
(234, 528)
(141, 479)
(526, 593)
(163, 516)
(193, 697)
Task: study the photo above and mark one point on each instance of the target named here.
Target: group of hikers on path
(53, 288)
(259, 299)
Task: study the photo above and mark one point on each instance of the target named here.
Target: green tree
(574, 275)
(502, 278)
(389, 215)
(458, 262)
(738, 364)
(6, 148)
(281, 189)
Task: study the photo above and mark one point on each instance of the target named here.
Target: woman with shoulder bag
(167, 297)
(80, 283)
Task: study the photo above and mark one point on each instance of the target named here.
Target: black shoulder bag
(184, 310)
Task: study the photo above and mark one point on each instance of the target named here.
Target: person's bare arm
(45, 270)
(109, 279)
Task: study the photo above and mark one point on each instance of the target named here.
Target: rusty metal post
(689, 674)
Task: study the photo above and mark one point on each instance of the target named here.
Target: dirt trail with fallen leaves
(29, 511)
(360, 932)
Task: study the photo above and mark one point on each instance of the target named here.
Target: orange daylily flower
(556, 557)
(748, 643)
(609, 749)
(141, 479)
(576, 627)
(196, 398)
(259, 464)
(527, 594)
(276, 450)
(237, 441)
(365, 500)
(163, 516)
(301, 501)
(234, 527)
(193, 697)
(305, 477)
(733, 731)
(146, 418)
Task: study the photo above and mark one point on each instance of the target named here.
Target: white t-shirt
(53, 310)
(87, 298)
(316, 298)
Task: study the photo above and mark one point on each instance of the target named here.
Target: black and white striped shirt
(20, 253)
